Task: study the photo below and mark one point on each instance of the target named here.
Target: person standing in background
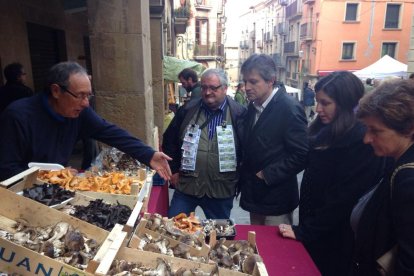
(240, 95)
(308, 101)
(275, 145)
(189, 80)
(15, 87)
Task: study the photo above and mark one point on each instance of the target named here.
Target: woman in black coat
(340, 169)
(388, 216)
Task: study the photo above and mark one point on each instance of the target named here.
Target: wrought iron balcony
(294, 10)
(306, 31)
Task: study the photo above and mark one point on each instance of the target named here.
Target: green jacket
(240, 98)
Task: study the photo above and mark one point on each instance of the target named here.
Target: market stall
(278, 256)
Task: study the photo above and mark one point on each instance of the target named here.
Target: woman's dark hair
(392, 103)
(345, 89)
(239, 86)
(60, 73)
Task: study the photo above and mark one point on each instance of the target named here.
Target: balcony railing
(294, 10)
(252, 35)
(204, 5)
(244, 45)
(277, 59)
(268, 37)
(306, 31)
(290, 47)
(281, 28)
(206, 50)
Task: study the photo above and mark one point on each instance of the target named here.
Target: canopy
(293, 91)
(173, 66)
(383, 68)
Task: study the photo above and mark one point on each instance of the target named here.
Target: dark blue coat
(33, 132)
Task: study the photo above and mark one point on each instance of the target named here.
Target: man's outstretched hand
(159, 162)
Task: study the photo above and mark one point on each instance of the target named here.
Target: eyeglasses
(212, 88)
(79, 97)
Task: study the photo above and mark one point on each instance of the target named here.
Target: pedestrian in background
(240, 95)
(189, 80)
(308, 101)
(204, 141)
(369, 85)
(387, 220)
(339, 170)
(15, 87)
(275, 145)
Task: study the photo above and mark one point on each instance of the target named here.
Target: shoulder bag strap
(404, 166)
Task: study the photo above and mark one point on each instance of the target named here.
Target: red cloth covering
(158, 201)
(280, 256)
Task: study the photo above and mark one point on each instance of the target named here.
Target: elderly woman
(388, 113)
(340, 169)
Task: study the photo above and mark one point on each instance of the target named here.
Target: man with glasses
(46, 127)
(15, 87)
(203, 140)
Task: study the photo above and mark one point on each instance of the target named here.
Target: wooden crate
(18, 259)
(259, 269)
(136, 202)
(141, 230)
(149, 259)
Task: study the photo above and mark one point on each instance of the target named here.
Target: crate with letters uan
(27, 226)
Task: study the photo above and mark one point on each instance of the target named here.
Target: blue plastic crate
(157, 180)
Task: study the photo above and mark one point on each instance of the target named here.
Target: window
(351, 12)
(392, 16)
(201, 32)
(348, 50)
(389, 48)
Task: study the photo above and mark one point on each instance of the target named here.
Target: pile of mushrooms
(124, 268)
(61, 242)
(166, 227)
(239, 256)
(162, 245)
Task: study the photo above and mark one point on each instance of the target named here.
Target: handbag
(386, 263)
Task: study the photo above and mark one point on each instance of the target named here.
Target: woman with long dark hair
(340, 169)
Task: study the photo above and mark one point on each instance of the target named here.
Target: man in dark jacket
(45, 127)
(203, 140)
(308, 101)
(189, 80)
(274, 146)
(14, 89)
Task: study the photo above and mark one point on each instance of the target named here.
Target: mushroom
(250, 262)
(74, 241)
(59, 231)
